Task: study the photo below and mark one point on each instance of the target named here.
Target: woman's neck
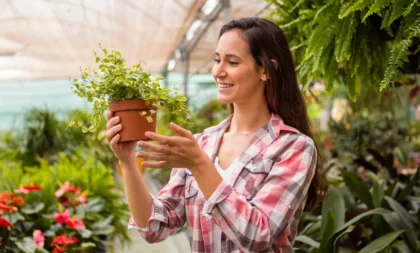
(248, 118)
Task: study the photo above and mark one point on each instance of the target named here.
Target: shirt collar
(275, 126)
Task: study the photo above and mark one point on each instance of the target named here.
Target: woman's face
(237, 77)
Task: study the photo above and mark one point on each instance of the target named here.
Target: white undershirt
(217, 232)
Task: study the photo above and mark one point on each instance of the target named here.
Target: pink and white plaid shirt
(257, 211)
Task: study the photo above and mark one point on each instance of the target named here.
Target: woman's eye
(233, 63)
(216, 60)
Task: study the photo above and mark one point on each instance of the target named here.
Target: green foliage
(106, 212)
(43, 136)
(115, 81)
(352, 42)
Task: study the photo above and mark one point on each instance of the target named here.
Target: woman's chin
(224, 99)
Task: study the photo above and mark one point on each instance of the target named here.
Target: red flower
(66, 187)
(9, 199)
(62, 217)
(28, 189)
(76, 224)
(82, 197)
(17, 201)
(39, 238)
(7, 208)
(64, 240)
(5, 223)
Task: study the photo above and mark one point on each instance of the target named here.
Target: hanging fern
(351, 42)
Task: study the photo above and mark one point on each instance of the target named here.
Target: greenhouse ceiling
(50, 39)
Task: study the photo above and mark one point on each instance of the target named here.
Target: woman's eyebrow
(227, 55)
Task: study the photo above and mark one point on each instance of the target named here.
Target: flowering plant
(62, 227)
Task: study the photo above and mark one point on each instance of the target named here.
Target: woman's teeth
(225, 85)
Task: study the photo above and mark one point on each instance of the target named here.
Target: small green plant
(114, 81)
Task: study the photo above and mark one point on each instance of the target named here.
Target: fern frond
(343, 40)
(297, 5)
(385, 18)
(353, 7)
(376, 8)
(293, 23)
(399, 54)
(410, 8)
(398, 10)
(319, 12)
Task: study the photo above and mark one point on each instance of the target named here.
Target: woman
(242, 185)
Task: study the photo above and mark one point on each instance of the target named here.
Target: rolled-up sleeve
(254, 224)
(168, 210)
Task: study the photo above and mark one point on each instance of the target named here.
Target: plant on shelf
(355, 42)
(130, 93)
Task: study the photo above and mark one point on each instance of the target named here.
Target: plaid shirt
(258, 210)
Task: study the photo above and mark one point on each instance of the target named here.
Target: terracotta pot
(134, 124)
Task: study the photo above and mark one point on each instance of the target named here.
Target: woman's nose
(219, 71)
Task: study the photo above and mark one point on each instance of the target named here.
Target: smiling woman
(242, 185)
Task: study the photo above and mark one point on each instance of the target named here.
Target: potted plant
(130, 93)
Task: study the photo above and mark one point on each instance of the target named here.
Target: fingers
(109, 115)
(114, 140)
(112, 132)
(165, 140)
(153, 156)
(160, 164)
(112, 121)
(154, 147)
(181, 131)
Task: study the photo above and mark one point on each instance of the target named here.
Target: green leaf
(85, 233)
(149, 119)
(14, 217)
(142, 113)
(335, 204)
(376, 211)
(27, 245)
(103, 223)
(377, 191)
(408, 219)
(31, 209)
(307, 240)
(328, 231)
(97, 59)
(358, 188)
(95, 205)
(381, 242)
(87, 245)
(400, 246)
(394, 221)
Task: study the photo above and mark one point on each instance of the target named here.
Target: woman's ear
(264, 75)
(275, 63)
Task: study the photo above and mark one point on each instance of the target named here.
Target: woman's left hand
(180, 151)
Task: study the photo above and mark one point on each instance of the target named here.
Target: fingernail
(139, 143)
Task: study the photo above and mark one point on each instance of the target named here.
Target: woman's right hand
(124, 151)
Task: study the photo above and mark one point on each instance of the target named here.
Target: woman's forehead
(231, 44)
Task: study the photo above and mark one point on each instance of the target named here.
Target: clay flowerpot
(134, 125)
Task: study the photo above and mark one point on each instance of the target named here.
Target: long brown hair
(267, 43)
